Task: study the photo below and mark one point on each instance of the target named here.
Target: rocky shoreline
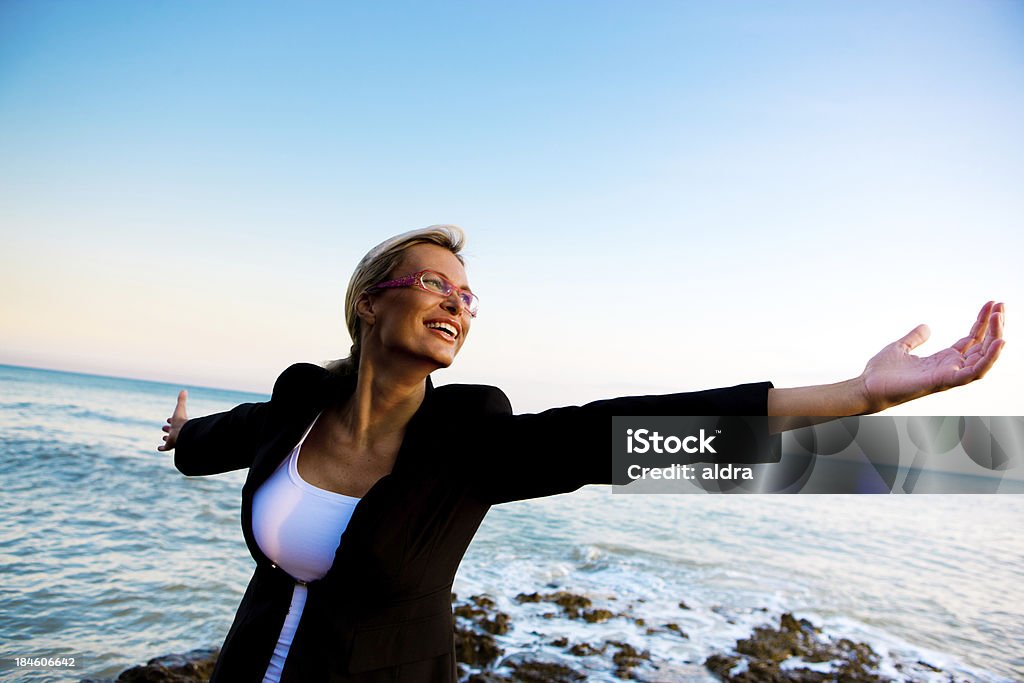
(789, 649)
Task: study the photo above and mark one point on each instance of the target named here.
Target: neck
(385, 399)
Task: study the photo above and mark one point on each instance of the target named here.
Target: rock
(767, 647)
(573, 606)
(499, 625)
(585, 650)
(597, 616)
(569, 602)
(483, 601)
(676, 629)
(721, 665)
(194, 666)
(475, 649)
(487, 677)
(536, 668)
(477, 611)
(792, 639)
(670, 627)
(627, 658)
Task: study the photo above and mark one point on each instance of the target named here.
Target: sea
(110, 557)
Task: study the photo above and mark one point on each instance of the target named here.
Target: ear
(365, 309)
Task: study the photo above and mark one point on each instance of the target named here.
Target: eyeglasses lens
(470, 302)
(436, 283)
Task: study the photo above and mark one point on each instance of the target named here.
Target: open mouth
(448, 330)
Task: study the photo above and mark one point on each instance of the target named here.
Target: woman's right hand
(174, 422)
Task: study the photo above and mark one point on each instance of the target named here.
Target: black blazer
(383, 610)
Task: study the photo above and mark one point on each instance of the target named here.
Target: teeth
(450, 329)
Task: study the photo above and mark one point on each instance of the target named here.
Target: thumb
(180, 411)
(917, 336)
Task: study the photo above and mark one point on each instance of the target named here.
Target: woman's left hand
(895, 376)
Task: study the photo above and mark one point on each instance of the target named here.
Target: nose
(452, 303)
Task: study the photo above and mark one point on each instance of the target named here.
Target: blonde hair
(377, 266)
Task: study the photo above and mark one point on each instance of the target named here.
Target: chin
(444, 362)
(440, 361)
(442, 357)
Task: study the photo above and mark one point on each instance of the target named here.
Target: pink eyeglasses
(432, 282)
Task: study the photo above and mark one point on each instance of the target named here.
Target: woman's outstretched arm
(894, 376)
(228, 441)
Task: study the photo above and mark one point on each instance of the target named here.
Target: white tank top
(298, 526)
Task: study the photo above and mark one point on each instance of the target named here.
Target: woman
(357, 541)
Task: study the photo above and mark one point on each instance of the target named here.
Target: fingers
(977, 332)
(994, 330)
(179, 417)
(917, 336)
(981, 364)
(981, 357)
(988, 335)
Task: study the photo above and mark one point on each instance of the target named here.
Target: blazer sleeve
(220, 442)
(228, 441)
(515, 457)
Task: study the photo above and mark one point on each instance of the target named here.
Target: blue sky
(658, 196)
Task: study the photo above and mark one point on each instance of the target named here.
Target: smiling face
(413, 324)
